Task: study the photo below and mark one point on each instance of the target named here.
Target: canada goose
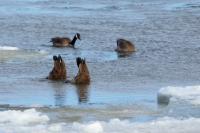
(65, 41)
(59, 70)
(125, 46)
(83, 76)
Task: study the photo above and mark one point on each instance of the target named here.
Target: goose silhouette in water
(82, 92)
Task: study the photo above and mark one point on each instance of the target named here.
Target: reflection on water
(59, 93)
(124, 54)
(82, 92)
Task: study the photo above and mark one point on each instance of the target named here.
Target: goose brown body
(125, 46)
(65, 41)
(83, 75)
(61, 42)
(59, 70)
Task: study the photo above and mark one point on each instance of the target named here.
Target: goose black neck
(73, 41)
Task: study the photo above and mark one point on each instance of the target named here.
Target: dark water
(165, 33)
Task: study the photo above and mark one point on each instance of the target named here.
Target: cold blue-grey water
(156, 89)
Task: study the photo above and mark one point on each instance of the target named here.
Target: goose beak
(78, 36)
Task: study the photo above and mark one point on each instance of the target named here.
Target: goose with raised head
(65, 41)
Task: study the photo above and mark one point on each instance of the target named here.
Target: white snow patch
(8, 48)
(32, 121)
(26, 117)
(189, 93)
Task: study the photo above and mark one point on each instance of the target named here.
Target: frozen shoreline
(34, 121)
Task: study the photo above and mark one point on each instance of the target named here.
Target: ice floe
(189, 94)
(26, 117)
(182, 6)
(32, 121)
(8, 48)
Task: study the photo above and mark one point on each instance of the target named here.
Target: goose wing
(122, 43)
(56, 39)
(66, 40)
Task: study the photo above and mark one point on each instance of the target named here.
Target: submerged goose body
(83, 75)
(125, 46)
(59, 69)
